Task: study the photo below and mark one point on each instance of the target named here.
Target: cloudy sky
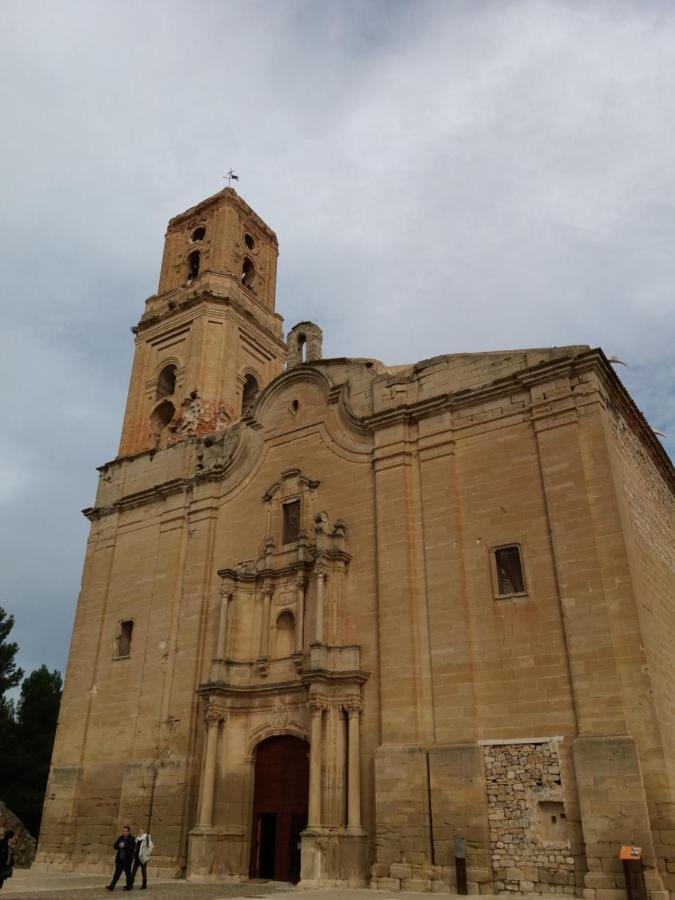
(443, 176)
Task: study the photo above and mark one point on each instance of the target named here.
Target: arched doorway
(280, 798)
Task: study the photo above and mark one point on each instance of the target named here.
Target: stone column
(217, 665)
(320, 581)
(222, 625)
(214, 716)
(353, 710)
(265, 630)
(300, 625)
(317, 708)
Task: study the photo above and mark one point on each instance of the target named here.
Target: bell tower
(210, 339)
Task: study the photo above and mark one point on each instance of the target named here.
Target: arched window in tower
(302, 347)
(284, 637)
(198, 234)
(166, 383)
(249, 393)
(193, 264)
(247, 273)
(161, 416)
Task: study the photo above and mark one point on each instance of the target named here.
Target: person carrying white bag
(142, 856)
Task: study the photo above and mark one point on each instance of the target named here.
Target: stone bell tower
(209, 340)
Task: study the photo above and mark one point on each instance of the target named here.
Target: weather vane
(231, 177)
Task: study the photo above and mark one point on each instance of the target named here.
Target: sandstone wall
(490, 718)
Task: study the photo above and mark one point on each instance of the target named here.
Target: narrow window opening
(198, 234)
(509, 570)
(248, 240)
(249, 393)
(166, 383)
(193, 264)
(126, 630)
(302, 348)
(247, 273)
(291, 523)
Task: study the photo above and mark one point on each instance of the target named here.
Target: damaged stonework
(199, 417)
(529, 828)
(215, 452)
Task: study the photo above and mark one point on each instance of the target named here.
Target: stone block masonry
(529, 835)
(312, 553)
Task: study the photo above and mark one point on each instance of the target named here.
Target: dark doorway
(279, 808)
(267, 835)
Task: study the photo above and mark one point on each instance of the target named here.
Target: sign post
(631, 858)
(460, 865)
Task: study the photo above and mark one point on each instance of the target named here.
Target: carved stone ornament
(317, 705)
(280, 715)
(263, 666)
(353, 706)
(215, 714)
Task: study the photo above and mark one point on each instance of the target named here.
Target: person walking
(125, 845)
(142, 856)
(7, 856)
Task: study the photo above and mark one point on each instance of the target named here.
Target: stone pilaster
(215, 715)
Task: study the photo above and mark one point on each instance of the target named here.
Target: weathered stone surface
(322, 561)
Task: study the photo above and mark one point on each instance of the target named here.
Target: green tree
(36, 716)
(38, 708)
(27, 730)
(10, 674)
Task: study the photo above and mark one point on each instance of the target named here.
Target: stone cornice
(297, 685)
(301, 565)
(563, 406)
(171, 306)
(596, 359)
(245, 691)
(310, 483)
(139, 498)
(593, 360)
(229, 195)
(326, 676)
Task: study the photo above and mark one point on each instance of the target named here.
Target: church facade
(345, 624)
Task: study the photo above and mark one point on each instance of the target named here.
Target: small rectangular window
(124, 633)
(291, 524)
(509, 570)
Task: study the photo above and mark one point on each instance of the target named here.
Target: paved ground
(27, 885)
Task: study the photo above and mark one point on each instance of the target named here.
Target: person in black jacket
(125, 845)
(7, 856)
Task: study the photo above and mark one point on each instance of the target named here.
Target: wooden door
(280, 798)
